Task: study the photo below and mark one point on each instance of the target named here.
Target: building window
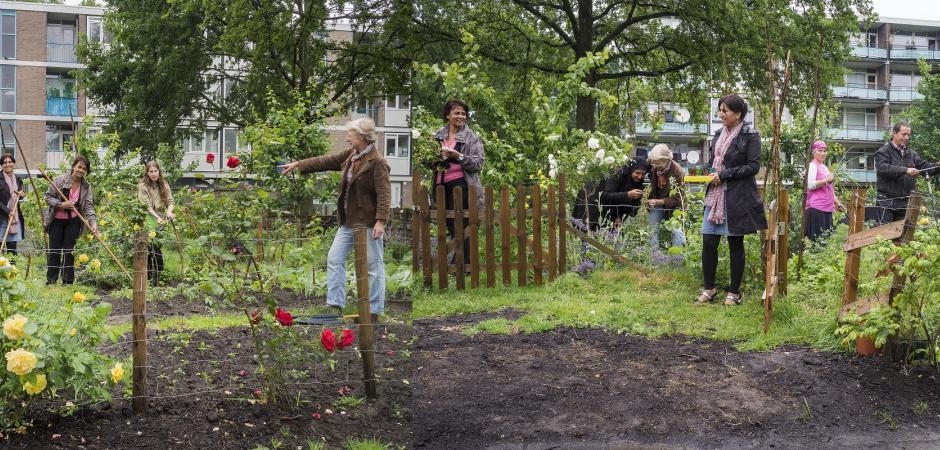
(97, 32)
(396, 195)
(398, 102)
(859, 118)
(866, 79)
(397, 145)
(7, 141)
(207, 141)
(8, 34)
(8, 89)
(58, 136)
(233, 141)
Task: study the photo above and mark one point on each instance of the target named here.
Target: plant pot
(865, 346)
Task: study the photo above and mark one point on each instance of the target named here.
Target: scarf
(662, 178)
(351, 169)
(716, 194)
(14, 199)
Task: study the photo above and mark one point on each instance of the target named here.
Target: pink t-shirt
(73, 197)
(822, 198)
(454, 171)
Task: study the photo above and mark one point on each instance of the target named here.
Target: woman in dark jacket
(11, 190)
(62, 221)
(732, 206)
(623, 191)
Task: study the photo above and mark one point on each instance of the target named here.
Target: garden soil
(201, 399)
(594, 389)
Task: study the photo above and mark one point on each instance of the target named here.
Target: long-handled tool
(3, 243)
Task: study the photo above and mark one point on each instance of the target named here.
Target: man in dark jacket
(897, 168)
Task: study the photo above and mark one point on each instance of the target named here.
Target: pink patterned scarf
(716, 194)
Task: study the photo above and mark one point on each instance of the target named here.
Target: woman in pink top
(62, 222)
(820, 195)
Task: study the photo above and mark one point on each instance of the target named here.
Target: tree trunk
(586, 106)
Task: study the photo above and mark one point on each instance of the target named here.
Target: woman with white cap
(666, 178)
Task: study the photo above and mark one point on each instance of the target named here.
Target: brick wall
(31, 90)
(31, 36)
(32, 136)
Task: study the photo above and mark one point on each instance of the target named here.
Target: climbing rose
(232, 162)
(346, 339)
(117, 372)
(13, 327)
(83, 258)
(20, 361)
(283, 317)
(210, 158)
(328, 340)
(33, 389)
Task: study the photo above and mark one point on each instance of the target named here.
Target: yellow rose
(152, 234)
(4, 262)
(13, 327)
(923, 221)
(33, 389)
(73, 332)
(110, 196)
(102, 223)
(83, 258)
(20, 361)
(96, 264)
(117, 372)
(78, 297)
(136, 227)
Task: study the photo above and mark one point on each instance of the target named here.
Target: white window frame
(7, 12)
(104, 37)
(396, 195)
(3, 91)
(399, 102)
(397, 137)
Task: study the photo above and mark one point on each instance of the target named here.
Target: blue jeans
(658, 215)
(343, 244)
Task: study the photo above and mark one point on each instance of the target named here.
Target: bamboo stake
(85, 222)
(3, 243)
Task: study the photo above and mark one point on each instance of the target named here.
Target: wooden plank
(888, 231)
(489, 220)
(863, 306)
(459, 239)
(521, 273)
(562, 221)
(537, 263)
(504, 233)
(441, 239)
(783, 244)
(474, 239)
(552, 230)
(366, 342)
(604, 248)
(425, 220)
(910, 223)
(853, 257)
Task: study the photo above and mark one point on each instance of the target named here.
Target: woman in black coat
(732, 205)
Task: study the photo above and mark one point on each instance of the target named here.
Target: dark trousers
(710, 260)
(62, 236)
(449, 204)
(818, 223)
(154, 262)
(11, 247)
(889, 215)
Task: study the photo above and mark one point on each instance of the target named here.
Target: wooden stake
(472, 207)
(489, 219)
(521, 264)
(139, 388)
(366, 347)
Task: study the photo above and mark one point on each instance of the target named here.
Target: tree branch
(547, 21)
(643, 73)
(619, 29)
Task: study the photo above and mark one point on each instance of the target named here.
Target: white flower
(600, 155)
(551, 157)
(609, 160)
(415, 134)
(581, 166)
(593, 143)
(552, 172)
(626, 158)
(553, 137)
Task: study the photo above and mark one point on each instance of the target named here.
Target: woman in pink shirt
(820, 195)
(62, 222)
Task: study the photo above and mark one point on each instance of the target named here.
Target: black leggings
(62, 236)
(449, 204)
(710, 260)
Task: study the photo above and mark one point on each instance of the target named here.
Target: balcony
(869, 52)
(860, 175)
(905, 94)
(362, 113)
(61, 53)
(673, 128)
(61, 106)
(871, 134)
(861, 91)
(915, 53)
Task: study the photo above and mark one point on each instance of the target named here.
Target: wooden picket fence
(531, 255)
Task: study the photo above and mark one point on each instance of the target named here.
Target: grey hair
(660, 152)
(364, 127)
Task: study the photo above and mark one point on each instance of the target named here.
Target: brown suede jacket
(370, 192)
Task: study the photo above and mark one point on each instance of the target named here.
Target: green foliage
(923, 114)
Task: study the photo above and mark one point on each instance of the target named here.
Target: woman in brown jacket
(364, 202)
(62, 222)
(666, 178)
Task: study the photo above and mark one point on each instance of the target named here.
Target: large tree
(677, 49)
(188, 61)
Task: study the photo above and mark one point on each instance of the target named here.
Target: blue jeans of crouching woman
(343, 244)
(656, 217)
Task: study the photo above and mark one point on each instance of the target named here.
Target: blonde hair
(660, 152)
(364, 127)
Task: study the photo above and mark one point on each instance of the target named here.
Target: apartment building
(39, 98)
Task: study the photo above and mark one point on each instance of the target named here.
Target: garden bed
(590, 388)
(202, 399)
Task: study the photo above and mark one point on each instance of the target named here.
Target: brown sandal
(705, 298)
(732, 299)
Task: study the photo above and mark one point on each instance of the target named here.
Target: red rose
(232, 162)
(284, 317)
(328, 340)
(210, 158)
(255, 317)
(316, 416)
(346, 339)
(343, 390)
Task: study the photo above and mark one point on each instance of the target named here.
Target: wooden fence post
(489, 219)
(521, 264)
(139, 315)
(473, 208)
(441, 239)
(366, 347)
(783, 248)
(459, 263)
(562, 220)
(910, 223)
(416, 224)
(425, 225)
(504, 233)
(852, 257)
(537, 263)
(552, 229)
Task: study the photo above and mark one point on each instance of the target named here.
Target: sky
(908, 9)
